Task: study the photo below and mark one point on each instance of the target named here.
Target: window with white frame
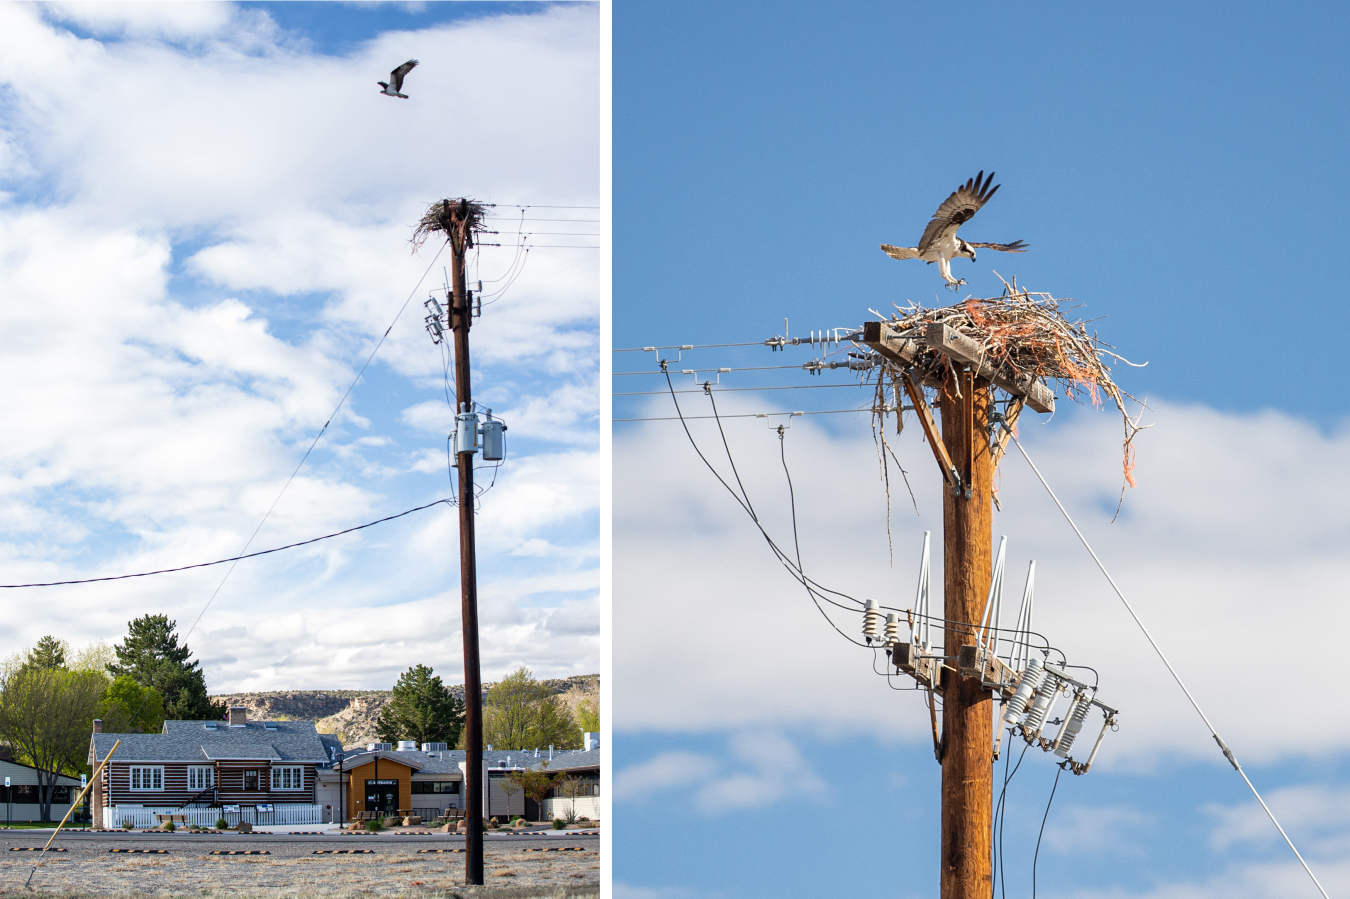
(288, 778)
(147, 777)
(201, 777)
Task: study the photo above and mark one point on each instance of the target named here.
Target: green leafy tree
(521, 713)
(93, 657)
(127, 707)
(151, 656)
(588, 716)
(49, 654)
(45, 716)
(421, 709)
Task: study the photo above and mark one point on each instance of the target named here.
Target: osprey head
(965, 249)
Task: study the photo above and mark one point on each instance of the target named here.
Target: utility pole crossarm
(959, 347)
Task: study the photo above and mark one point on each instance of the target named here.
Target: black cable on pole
(1037, 856)
(782, 557)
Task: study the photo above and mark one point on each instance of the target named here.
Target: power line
(1037, 856)
(1228, 753)
(315, 442)
(693, 371)
(687, 346)
(532, 219)
(746, 415)
(731, 389)
(261, 552)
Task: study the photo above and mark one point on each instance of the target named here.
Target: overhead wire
(778, 552)
(1228, 753)
(738, 389)
(235, 559)
(1035, 859)
(316, 439)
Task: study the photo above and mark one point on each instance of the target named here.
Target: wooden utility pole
(461, 316)
(967, 707)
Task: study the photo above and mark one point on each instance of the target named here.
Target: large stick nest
(444, 218)
(1027, 334)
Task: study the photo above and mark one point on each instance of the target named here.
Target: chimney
(590, 741)
(238, 716)
(98, 725)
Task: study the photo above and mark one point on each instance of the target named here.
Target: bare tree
(570, 787)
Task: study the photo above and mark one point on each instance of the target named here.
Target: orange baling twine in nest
(1028, 334)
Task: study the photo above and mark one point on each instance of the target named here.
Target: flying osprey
(396, 80)
(939, 242)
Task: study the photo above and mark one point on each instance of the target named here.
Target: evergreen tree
(151, 656)
(48, 655)
(421, 709)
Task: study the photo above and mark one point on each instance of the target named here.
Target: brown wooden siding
(229, 784)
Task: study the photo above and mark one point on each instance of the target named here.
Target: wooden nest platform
(1019, 341)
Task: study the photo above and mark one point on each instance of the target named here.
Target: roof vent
(434, 747)
(270, 725)
(376, 747)
(210, 725)
(407, 745)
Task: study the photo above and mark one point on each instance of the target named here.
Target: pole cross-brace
(925, 414)
(993, 673)
(923, 666)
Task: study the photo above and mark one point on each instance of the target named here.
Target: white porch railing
(118, 816)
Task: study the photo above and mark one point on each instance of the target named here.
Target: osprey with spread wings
(939, 242)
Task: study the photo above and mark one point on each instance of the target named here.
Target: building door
(382, 796)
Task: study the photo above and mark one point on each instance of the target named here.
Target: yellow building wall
(388, 770)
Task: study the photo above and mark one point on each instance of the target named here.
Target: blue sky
(206, 211)
(1175, 169)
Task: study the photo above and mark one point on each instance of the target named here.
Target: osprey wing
(964, 202)
(1017, 246)
(396, 76)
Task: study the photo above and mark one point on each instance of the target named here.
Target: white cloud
(1231, 538)
(759, 768)
(666, 771)
(206, 233)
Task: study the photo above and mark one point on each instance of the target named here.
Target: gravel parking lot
(516, 867)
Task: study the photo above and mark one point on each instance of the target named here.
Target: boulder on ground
(412, 821)
(244, 827)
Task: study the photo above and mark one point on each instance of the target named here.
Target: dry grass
(570, 875)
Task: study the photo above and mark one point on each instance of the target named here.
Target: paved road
(276, 844)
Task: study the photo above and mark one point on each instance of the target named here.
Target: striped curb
(241, 852)
(440, 850)
(557, 849)
(344, 851)
(32, 849)
(142, 851)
